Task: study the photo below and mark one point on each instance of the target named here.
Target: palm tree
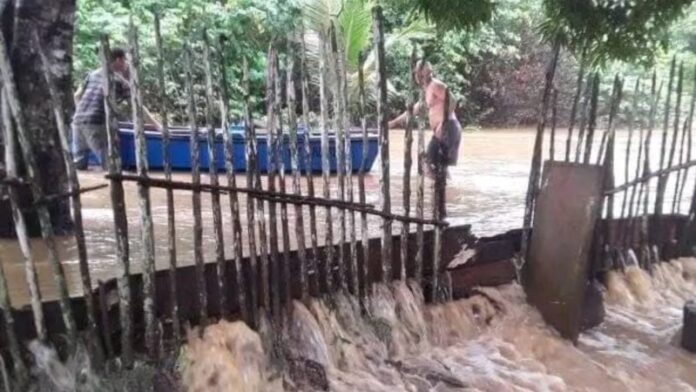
(353, 21)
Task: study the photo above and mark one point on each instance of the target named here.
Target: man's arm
(403, 116)
(150, 120)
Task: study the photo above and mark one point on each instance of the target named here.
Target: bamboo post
(224, 301)
(383, 127)
(615, 103)
(340, 139)
(118, 206)
(196, 194)
(689, 139)
(74, 187)
(592, 119)
(250, 146)
(166, 155)
(313, 281)
(20, 222)
(554, 110)
(609, 157)
(272, 160)
(408, 147)
(284, 272)
(439, 208)
(260, 209)
(237, 243)
(26, 146)
(654, 101)
(325, 167)
(583, 117)
(677, 184)
(661, 182)
(574, 108)
(295, 166)
(350, 198)
(365, 235)
(146, 227)
(13, 347)
(420, 194)
(535, 173)
(625, 203)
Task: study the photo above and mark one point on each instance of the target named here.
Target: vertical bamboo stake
(353, 250)
(439, 207)
(592, 120)
(325, 166)
(420, 192)
(20, 222)
(613, 111)
(535, 174)
(662, 180)
(250, 145)
(654, 101)
(26, 146)
(339, 143)
(196, 195)
(224, 301)
(284, 272)
(689, 139)
(583, 117)
(383, 126)
(677, 184)
(609, 158)
(166, 154)
(272, 160)
(118, 206)
(313, 278)
(261, 212)
(365, 240)
(408, 147)
(9, 326)
(626, 202)
(146, 228)
(237, 242)
(574, 108)
(295, 166)
(554, 110)
(74, 186)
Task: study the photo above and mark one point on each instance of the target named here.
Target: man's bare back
(444, 147)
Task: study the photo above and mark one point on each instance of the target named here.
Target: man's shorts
(445, 151)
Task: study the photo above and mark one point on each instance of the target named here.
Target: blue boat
(181, 151)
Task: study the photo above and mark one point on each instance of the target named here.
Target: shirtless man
(443, 148)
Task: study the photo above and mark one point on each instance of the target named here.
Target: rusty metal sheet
(555, 274)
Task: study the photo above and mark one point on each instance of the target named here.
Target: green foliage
(450, 14)
(604, 30)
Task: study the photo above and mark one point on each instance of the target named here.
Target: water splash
(492, 341)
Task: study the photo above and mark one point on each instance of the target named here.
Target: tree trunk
(54, 22)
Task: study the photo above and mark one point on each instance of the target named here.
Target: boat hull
(180, 152)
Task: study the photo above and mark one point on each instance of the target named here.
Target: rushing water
(485, 189)
(492, 341)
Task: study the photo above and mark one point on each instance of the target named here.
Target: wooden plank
(555, 275)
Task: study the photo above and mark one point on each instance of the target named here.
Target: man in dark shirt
(89, 121)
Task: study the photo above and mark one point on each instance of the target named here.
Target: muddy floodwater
(493, 342)
(486, 189)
